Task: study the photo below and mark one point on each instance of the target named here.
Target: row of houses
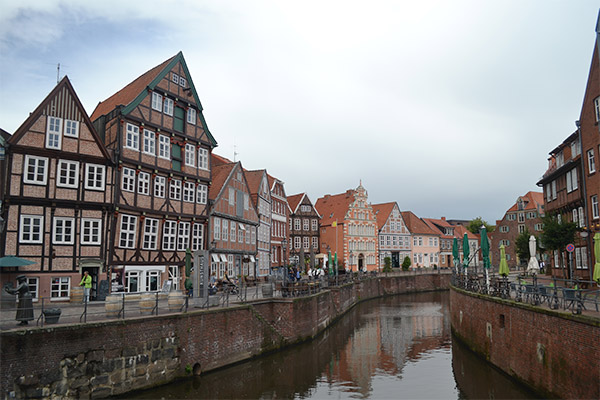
(127, 192)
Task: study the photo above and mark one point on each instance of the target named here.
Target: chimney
(443, 218)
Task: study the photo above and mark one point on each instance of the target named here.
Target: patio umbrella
(14, 261)
(330, 261)
(466, 250)
(597, 255)
(532, 266)
(334, 264)
(485, 253)
(455, 253)
(503, 269)
(188, 263)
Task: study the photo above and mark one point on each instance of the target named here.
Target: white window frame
(150, 238)
(190, 155)
(34, 232)
(91, 231)
(71, 128)
(595, 210)
(202, 193)
(169, 240)
(53, 133)
(160, 183)
(591, 161)
(315, 242)
(168, 108)
(157, 101)
(225, 230)
(175, 189)
(128, 180)
(183, 236)
(189, 191)
(197, 236)
(572, 181)
(132, 137)
(60, 288)
(144, 183)
(34, 287)
(597, 108)
(40, 170)
(164, 147)
(233, 231)
(191, 116)
(203, 158)
(149, 146)
(63, 230)
(216, 228)
(93, 171)
(128, 230)
(69, 171)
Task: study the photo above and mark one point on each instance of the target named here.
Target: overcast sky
(447, 107)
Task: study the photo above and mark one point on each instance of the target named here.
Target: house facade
(233, 223)
(303, 228)
(162, 146)
(446, 232)
(474, 240)
(349, 228)
(258, 184)
(425, 250)
(279, 223)
(57, 198)
(394, 236)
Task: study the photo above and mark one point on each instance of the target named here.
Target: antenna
(57, 73)
(235, 153)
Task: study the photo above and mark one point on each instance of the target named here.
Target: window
(157, 101)
(36, 170)
(63, 232)
(132, 137)
(182, 82)
(34, 287)
(152, 281)
(305, 224)
(175, 78)
(231, 196)
(521, 217)
(521, 228)
(164, 147)
(132, 281)
(149, 142)
(595, 211)
(175, 189)
(128, 230)
(91, 229)
(241, 229)
(572, 183)
(94, 177)
(591, 161)
(191, 116)
(183, 237)
(305, 242)
(144, 183)
(225, 230)
(188, 192)
(202, 158)
(159, 186)
(315, 225)
(53, 130)
(168, 106)
(248, 228)
(597, 108)
(169, 235)
(315, 242)
(68, 174)
(71, 128)
(31, 229)
(150, 234)
(539, 227)
(504, 229)
(59, 288)
(217, 229)
(197, 236)
(553, 190)
(305, 208)
(575, 148)
(233, 231)
(297, 224)
(190, 155)
(297, 242)
(581, 217)
(128, 183)
(202, 194)
(511, 217)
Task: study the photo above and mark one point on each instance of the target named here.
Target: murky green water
(392, 348)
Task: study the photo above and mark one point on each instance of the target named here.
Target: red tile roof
(254, 179)
(334, 207)
(533, 200)
(460, 230)
(416, 225)
(216, 159)
(220, 174)
(382, 213)
(294, 201)
(129, 92)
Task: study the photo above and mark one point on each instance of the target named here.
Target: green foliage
(406, 263)
(387, 261)
(475, 226)
(557, 235)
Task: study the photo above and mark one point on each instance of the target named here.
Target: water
(397, 347)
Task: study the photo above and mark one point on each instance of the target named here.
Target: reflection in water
(396, 347)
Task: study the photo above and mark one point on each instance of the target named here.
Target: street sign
(570, 247)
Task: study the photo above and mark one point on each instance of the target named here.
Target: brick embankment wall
(103, 359)
(555, 353)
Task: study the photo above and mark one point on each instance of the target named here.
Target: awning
(223, 258)
(252, 259)
(215, 258)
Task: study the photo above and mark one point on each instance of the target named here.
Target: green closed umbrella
(330, 261)
(466, 251)
(597, 255)
(485, 248)
(334, 264)
(455, 252)
(503, 270)
(188, 263)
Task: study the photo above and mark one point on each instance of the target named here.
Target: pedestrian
(542, 265)
(86, 282)
(25, 301)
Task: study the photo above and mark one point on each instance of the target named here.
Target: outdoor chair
(569, 298)
(544, 295)
(592, 297)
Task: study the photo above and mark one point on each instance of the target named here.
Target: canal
(394, 347)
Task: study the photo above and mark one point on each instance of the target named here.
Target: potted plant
(51, 315)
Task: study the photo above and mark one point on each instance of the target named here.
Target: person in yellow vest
(86, 282)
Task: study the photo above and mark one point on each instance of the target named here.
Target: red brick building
(303, 227)
(279, 223)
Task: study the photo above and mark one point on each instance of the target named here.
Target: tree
(387, 264)
(406, 263)
(475, 226)
(557, 234)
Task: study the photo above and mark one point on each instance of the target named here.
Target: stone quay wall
(96, 360)
(555, 353)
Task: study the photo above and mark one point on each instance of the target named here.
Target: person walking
(25, 301)
(86, 282)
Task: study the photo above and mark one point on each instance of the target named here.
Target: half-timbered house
(279, 223)
(304, 228)
(261, 198)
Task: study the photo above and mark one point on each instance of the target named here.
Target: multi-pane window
(315, 242)
(297, 242)
(128, 182)
(202, 158)
(175, 189)
(36, 170)
(71, 128)
(248, 228)
(233, 231)
(31, 229)
(572, 182)
(150, 234)
(91, 229)
(132, 137)
(63, 231)
(305, 223)
(68, 174)
(144, 183)
(595, 211)
(157, 101)
(297, 224)
(169, 235)
(34, 287)
(189, 192)
(197, 236)
(164, 147)
(94, 177)
(190, 155)
(53, 135)
(315, 225)
(202, 194)
(217, 228)
(305, 242)
(168, 106)
(59, 287)
(521, 217)
(183, 237)
(149, 142)
(152, 281)
(159, 186)
(191, 116)
(241, 233)
(591, 161)
(521, 228)
(128, 231)
(225, 230)
(597, 108)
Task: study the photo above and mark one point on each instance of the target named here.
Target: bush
(406, 263)
(387, 261)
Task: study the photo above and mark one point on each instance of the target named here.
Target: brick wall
(556, 353)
